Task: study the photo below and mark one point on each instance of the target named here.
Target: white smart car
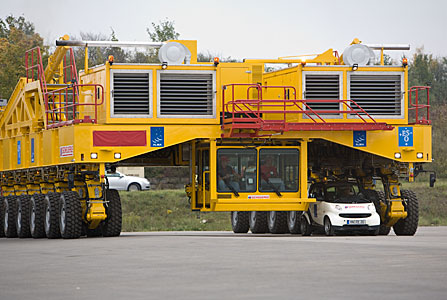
(119, 181)
(339, 207)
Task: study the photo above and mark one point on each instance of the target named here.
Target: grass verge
(167, 210)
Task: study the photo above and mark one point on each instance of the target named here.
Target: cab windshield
(278, 170)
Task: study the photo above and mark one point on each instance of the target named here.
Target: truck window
(236, 170)
(278, 170)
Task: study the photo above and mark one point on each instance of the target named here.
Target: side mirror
(121, 176)
(432, 179)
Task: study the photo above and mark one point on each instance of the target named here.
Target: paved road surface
(222, 265)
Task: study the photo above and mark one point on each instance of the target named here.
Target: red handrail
(416, 106)
(61, 110)
(289, 106)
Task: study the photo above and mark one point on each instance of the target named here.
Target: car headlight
(338, 207)
(371, 207)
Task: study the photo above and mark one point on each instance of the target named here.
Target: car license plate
(356, 222)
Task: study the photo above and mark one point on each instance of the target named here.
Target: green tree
(162, 32)
(16, 37)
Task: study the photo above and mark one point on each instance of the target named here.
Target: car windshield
(344, 193)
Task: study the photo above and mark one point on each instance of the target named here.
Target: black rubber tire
(9, 219)
(37, 216)
(137, 185)
(2, 217)
(51, 215)
(258, 222)
(305, 226)
(376, 197)
(293, 221)
(328, 228)
(383, 229)
(239, 221)
(277, 222)
(70, 215)
(23, 216)
(97, 232)
(112, 225)
(409, 225)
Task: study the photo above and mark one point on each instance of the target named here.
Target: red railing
(274, 114)
(416, 106)
(34, 67)
(63, 105)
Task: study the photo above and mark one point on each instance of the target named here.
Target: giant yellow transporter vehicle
(322, 118)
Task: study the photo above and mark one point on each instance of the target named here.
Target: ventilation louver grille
(186, 94)
(323, 87)
(131, 94)
(377, 94)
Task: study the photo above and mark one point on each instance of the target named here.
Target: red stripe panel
(119, 138)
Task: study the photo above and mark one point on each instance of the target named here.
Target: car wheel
(134, 187)
(305, 226)
(239, 221)
(328, 228)
(293, 221)
(258, 222)
(277, 222)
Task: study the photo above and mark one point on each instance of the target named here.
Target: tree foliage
(16, 37)
(162, 32)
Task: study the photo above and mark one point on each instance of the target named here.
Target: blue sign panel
(405, 136)
(19, 153)
(32, 150)
(359, 138)
(157, 136)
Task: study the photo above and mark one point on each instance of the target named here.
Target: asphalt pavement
(223, 265)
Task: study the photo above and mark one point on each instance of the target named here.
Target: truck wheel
(293, 221)
(2, 217)
(9, 220)
(23, 216)
(305, 226)
(239, 221)
(97, 232)
(258, 222)
(112, 225)
(409, 225)
(51, 210)
(376, 197)
(37, 216)
(277, 222)
(70, 215)
(328, 228)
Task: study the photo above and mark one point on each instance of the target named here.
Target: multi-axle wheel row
(55, 215)
(276, 222)
(294, 222)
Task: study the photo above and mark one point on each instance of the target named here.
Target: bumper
(363, 228)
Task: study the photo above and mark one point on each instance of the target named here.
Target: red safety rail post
(64, 107)
(416, 106)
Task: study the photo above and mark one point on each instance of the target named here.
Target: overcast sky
(256, 29)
